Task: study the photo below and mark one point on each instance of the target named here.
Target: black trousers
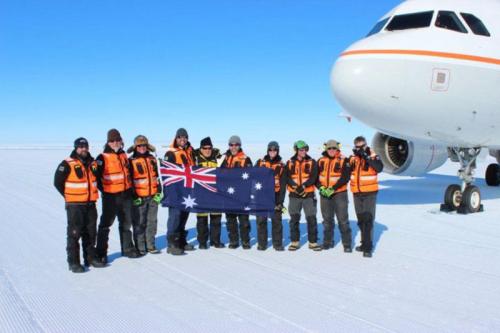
(115, 205)
(82, 220)
(276, 227)
(365, 205)
(203, 230)
(295, 206)
(337, 205)
(244, 228)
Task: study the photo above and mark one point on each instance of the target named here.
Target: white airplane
(427, 77)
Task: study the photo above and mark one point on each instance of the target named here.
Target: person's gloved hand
(323, 191)
(278, 207)
(137, 202)
(157, 197)
(300, 190)
(329, 192)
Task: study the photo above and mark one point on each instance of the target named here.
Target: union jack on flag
(172, 173)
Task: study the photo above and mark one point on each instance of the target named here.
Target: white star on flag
(258, 186)
(245, 175)
(252, 196)
(189, 202)
(248, 208)
(230, 190)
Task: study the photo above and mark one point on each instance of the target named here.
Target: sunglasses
(360, 147)
(234, 145)
(272, 149)
(83, 147)
(206, 148)
(142, 146)
(111, 141)
(331, 148)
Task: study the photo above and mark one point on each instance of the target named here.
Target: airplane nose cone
(365, 87)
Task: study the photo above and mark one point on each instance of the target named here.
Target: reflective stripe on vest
(116, 175)
(183, 156)
(145, 176)
(236, 161)
(80, 185)
(278, 169)
(362, 180)
(330, 171)
(300, 172)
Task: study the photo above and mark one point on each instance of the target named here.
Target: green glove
(137, 202)
(157, 197)
(329, 192)
(323, 191)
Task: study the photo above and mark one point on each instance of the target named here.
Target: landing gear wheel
(452, 198)
(493, 175)
(471, 200)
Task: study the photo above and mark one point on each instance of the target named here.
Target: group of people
(132, 191)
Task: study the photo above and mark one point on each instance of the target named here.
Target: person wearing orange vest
(236, 158)
(273, 161)
(76, 181)
(302, 174)
(334, 174)
(180, 152)
(115, 183)
(207, 156)
(365, 166)
(147, 194)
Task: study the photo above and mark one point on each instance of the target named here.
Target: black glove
(278, 207)
(300, 190)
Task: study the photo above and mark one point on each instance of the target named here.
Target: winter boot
(76, 268)
(294, 246)
(348, 249)
(154, 250)
(203, 246)
(183, 242)
(95, 262)
(261, 247)
(279, 248)
(315, 247)
(367, 254)
(327, 246)
(173, 245)
(246, 246)
(359, 248)
(218, 245)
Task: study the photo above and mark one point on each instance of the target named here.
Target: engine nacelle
(407, 158)
(496, 154)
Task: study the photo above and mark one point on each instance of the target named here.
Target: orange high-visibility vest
(330, 170)
(81, 184)
(144, 176)
(300, 172)
(237, 160)
(278, 168)
(362, 180)
(183, 156)
(116, 174)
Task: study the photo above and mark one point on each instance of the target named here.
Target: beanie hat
(300, 144)
(235, 140)
(206, 142)
(274, 145)
(181, 132)
(114, 135)
(332, 144)
(81, 142)
(141, 140)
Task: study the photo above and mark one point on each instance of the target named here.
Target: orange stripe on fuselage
(448, 55)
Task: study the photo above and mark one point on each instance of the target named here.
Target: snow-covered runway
(430, 271)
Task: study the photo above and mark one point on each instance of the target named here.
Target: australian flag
(199, 189)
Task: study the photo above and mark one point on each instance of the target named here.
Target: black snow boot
(95, 262)
(184, 244)
(76, 268)
(174, 245)
(246, 246)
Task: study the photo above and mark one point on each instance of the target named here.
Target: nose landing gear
(464, 199)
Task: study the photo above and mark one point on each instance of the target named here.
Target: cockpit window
(410, 21)
(475, 24)
(378, 27)
(449, 20)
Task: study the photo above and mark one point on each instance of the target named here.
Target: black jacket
(63, 170)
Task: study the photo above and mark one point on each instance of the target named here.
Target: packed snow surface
(431, 271)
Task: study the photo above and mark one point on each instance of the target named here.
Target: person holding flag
(147, 194)
(273, 161)
(181, 153)
(302, 173)
(206, 156)
(236, 158)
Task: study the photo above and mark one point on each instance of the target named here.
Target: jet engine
(408, 158)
